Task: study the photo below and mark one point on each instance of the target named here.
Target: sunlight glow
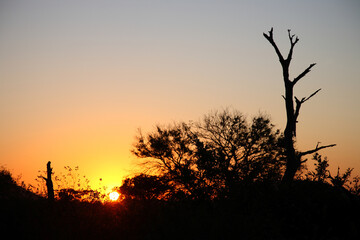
(114, 196)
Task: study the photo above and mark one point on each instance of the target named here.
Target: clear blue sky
(77, 78)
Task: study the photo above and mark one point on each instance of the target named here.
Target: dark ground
(305, 210)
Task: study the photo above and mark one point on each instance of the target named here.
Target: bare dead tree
(292, 111)
(49, 183)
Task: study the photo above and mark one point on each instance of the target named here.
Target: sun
(114, 196)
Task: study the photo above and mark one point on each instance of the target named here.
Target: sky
(79, 78)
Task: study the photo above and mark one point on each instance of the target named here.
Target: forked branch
(292, 42)
(291, 38)
(300, 102)
(270, 38)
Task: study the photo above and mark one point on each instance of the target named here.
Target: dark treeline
(308, 209)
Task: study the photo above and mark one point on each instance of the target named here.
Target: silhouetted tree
(214, 155)
(171, 151)
(321, 173)
(49, 183)
(145, 187)
(292, 111)
(230, 150)
(355, 186)
(341, 179)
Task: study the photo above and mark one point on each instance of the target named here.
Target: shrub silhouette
(146, 187)
(12, 189)
(71, 186)
(321, 173)
(340, 180)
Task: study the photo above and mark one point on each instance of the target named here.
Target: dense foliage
(212, 157)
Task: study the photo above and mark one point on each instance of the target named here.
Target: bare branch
(304, 161)
(306, 71)
(291, 37)
(292, 42)
(297, 109)
(270, 38)
(316, 149)
(313, 94)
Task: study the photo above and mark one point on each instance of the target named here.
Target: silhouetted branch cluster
(211, 157)
(321, 172)
(340, 180)
(70, 186)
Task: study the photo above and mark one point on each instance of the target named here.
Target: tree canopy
(215, 155)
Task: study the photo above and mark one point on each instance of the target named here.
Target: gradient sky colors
(78, 78)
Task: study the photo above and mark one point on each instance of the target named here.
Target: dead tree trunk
(49, 183)
(293, 157)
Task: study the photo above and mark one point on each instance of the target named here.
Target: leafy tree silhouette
(355, 186)
(321, 173)
(145, 187)
(211, 157)
(293, 157)
(341, 179)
